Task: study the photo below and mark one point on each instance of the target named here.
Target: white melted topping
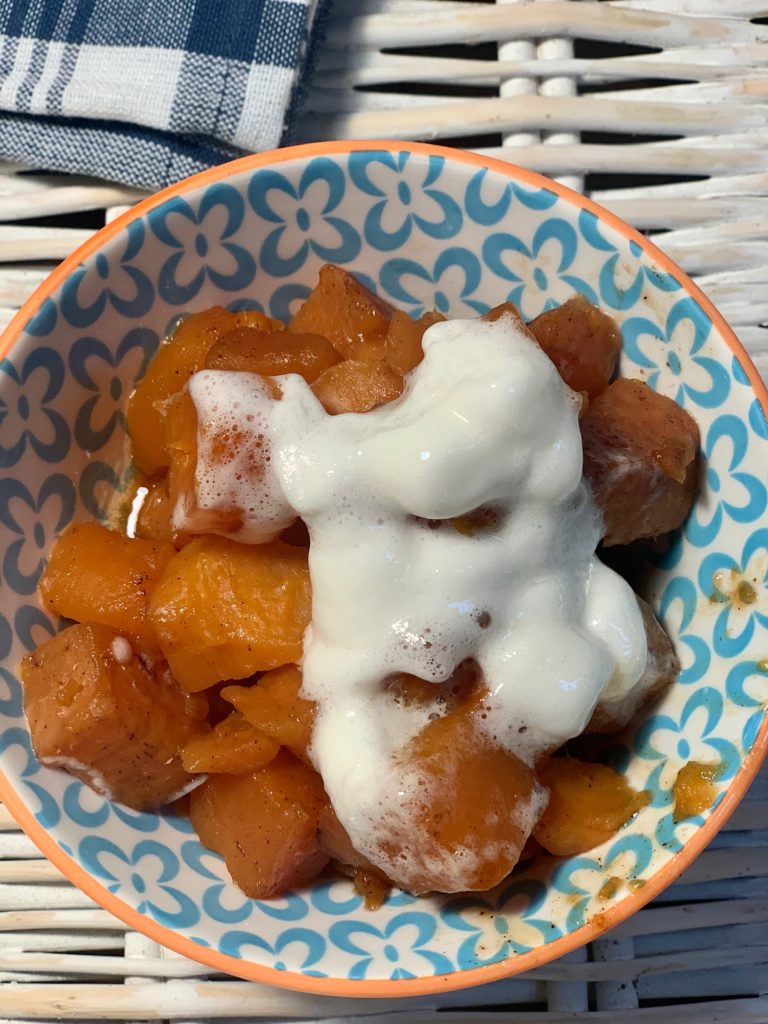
(485, 420)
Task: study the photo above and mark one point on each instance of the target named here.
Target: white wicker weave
(525, 80)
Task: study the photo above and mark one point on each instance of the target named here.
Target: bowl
(424, 227)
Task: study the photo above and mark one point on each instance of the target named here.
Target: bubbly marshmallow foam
(485, 420)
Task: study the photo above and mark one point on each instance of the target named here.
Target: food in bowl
(429, 562)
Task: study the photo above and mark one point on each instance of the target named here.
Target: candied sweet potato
(173, 364)
(507, 309)
(264, 825)
(470, 790)
(588, 803)
(357, 385)
(345, 312)
(95, 709)
(259, 321)
(274, 705)
(199, 449)
(582, 341)
(640, 455)
(402, 344)
(272, 353)
(97, 575)
(223, 610)
(181, 445)
(154, 519)
(334, 839)
(233, 747)
(661, 670)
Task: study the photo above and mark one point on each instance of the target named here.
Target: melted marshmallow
(485, 419)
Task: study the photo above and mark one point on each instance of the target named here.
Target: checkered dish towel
(149, 91)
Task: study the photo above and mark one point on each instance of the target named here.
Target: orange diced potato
(583, 342)
(264, 825)
(272, 353)
(274, 706)
(469, 791)
(588, 804)
(97, 575)
(223, 610)
(95, 709)
(181, 431)
(181, 444)
(172, 366)
(223, 446)
(334, 839)
(661, 670)
(640, 457)
(345, 312)
(252, 318)
(402, 344)
(507, 309)
(154, 519)
(233, 746)
(357, 386)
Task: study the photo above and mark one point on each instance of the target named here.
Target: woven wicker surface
(656, 108)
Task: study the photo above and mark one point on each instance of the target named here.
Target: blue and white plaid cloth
(149, 91)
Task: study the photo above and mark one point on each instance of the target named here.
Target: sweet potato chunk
(97, 575)
(275, 707)
(357, 385)
(507, 309)
(402, 344)
(154, 519)
(199, 449)
(264, 825)
(187, 518)
(640, 457)
(588, 803)
(583, 342)
(223, 610)
(95, 709)
(344, 312)
(661, 670)
(174, 363)
(253, 318)
(233, 746)
(271, 353)
(468, 801)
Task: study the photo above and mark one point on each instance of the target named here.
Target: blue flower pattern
(745, 498)
(514, 923)
(28, 393)
(541, 273)
(419, 288)
(475, 239)
(741, 589)
(580, 877)
(306, 217)
(109, 281)
(110, 377)
(681, 343)
(392, 218)
(380, 952)
(202, 245)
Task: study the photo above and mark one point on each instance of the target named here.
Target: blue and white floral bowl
(424, 227)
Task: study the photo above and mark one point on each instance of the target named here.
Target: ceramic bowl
(423, 227)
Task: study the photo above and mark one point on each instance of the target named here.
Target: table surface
(657, 109)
